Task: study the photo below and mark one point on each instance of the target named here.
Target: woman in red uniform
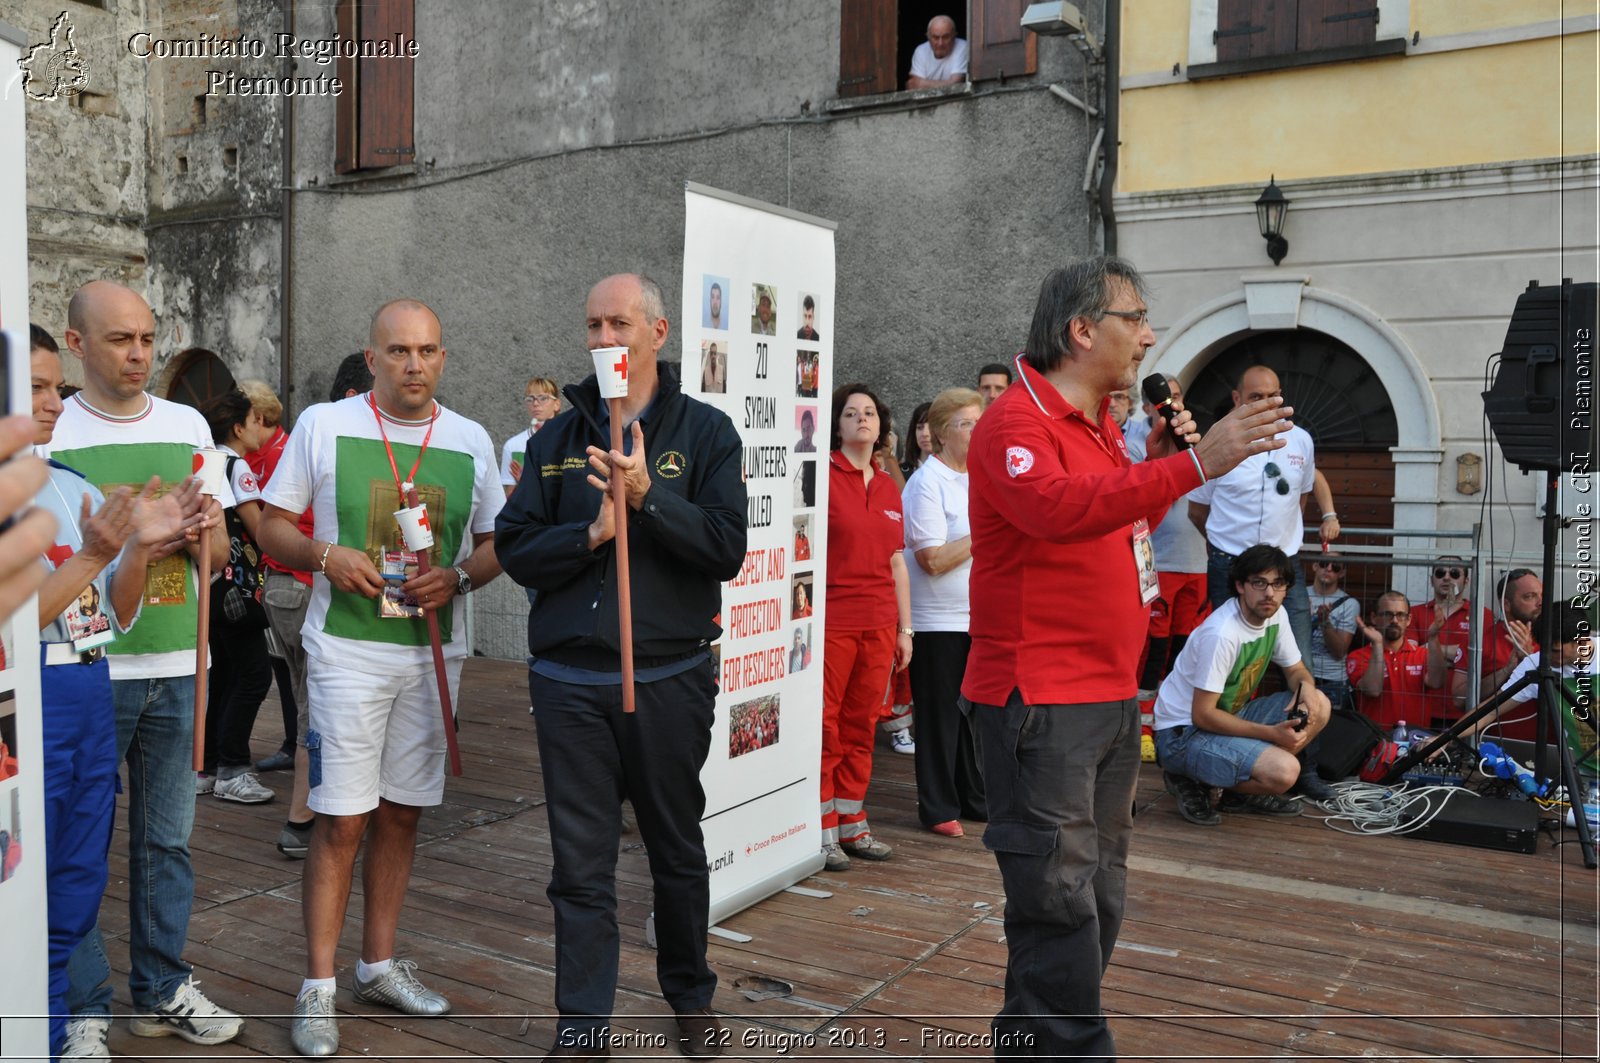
(868, 619)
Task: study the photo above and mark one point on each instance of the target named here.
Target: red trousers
(855, 673)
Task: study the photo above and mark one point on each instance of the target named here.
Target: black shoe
(1311, 786)
(279, 761)
(1260, 804)
(700, 1033)
(1194, 799)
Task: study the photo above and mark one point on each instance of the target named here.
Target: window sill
(1290, 60)
(846, 104)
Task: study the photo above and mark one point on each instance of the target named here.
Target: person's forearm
(1438, 665)
(481, 566)
(1337, 642)
(127, 585)
(1371, 681)
(286, 544)
(902, 590)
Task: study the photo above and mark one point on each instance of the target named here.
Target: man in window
(941, 60)
(1211, 729)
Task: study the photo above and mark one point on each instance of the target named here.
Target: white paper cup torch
(210, 468)
(611, 370)
(414, 526)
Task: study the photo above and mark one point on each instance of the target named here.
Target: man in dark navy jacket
(686, 534)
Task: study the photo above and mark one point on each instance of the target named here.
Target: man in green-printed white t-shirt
(375, 740)
(114, 433)
(1210, 728)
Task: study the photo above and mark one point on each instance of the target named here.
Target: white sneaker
(190, 1016)
(244, 788)
(86, 1038)
(204, 782)
(902, 742)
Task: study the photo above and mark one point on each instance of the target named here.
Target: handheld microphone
(1157, 394)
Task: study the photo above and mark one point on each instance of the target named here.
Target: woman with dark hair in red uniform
(868, 621)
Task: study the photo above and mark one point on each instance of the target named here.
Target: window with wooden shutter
(1251, 29)
(375, 112)
(867, 45)
(1001, 48)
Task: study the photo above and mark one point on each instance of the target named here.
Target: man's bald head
(97, 297)
(398, 304)
(941, 35)
(1256, 383)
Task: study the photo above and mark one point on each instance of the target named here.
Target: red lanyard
(412, 478)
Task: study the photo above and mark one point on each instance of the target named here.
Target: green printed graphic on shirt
(1579, 721)
(171, 609)
(366, 498)
(1248, 668)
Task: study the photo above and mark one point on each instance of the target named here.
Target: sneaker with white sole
(314, 1031)
(833, 858)
(398, 988)
(902, 742)
(86, 1038)
(189, 1015)
(244, 788)
(865, 846)
(204, 782)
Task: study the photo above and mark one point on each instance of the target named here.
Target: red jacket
(865, 529)
(1053, 501)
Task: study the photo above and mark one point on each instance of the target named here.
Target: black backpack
(242, 577)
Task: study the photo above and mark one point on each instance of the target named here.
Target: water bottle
(1401, 739)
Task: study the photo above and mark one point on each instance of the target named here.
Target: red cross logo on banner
(622, 367)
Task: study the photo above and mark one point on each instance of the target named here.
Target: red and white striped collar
(149, 405)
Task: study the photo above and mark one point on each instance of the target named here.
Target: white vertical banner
(24, 973)
(757, 328)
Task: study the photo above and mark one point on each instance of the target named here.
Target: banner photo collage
(758, 289)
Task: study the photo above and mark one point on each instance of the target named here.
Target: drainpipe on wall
(1113, 108)
(286, 239)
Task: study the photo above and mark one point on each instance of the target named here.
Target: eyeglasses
(538, 400)
(1257, 583)
(1138, 317)
(1275, 473)
(1331, 566)
(1453, 573)
(1400, 614)
(962, 426)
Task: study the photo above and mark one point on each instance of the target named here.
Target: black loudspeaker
(1541, 406)
(1344, 744)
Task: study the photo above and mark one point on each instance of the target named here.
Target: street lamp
(1270, 209)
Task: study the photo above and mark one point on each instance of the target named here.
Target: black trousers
(949, 779)
(241, 676)
(593, 755)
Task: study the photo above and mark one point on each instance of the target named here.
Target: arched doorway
(1340, 400)
(197, 375)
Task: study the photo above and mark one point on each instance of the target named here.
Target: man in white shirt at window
(941, 60)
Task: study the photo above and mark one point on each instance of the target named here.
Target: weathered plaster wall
(550, 166)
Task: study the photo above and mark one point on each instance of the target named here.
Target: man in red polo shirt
(1450, 581)
(1392, 675)
(1061, 587)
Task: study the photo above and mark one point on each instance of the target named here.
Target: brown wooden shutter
(1336, 24)
(867, 42)
(375, 112)
(1250, 28)
(1000, 46)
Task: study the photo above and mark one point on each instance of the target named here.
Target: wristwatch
(463, 581)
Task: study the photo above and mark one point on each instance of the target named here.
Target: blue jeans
(1296, 601)
(1219, 759)
(155, 734)
(1060, 782)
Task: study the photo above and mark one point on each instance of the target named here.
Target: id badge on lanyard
(1144, 560)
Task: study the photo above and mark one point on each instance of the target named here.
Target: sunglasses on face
(1331, 566)
(1452, 573)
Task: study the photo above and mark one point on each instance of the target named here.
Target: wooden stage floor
(1261, 938)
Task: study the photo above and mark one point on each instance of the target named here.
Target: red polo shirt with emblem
(1053, 500)
(865, 529)
(1405, 693)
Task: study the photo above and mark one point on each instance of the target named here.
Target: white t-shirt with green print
(336, 463)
